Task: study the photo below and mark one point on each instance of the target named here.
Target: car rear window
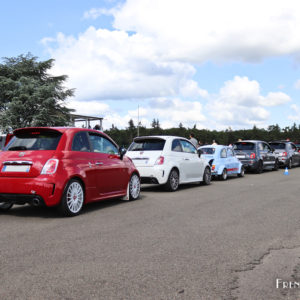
(244, 146)
(278, 146)
(147, 145)
(34, 140)
(208, 150)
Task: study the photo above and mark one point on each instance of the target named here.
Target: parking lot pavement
(231, 239)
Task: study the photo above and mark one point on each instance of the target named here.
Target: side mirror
(122, 152)
(199, 152)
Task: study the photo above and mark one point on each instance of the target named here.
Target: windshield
(147, 145)
(34, 141)
(208, 150)
(244, 146)
(278, 146)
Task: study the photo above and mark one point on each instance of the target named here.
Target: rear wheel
(72, 199)
(5, 206)
(173, 181)
(289, 164)
(134, 187)
(276, 165)
(242, 173)
(224, 175)
(207, 176)
(260, 167)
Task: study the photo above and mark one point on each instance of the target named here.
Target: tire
(207, 176)
(5, 206)
(289, 164)
(134, 187)
(73, 198)
(276, 165)
(260, 167)
(173, 181)
(224, 175)
(242, 173)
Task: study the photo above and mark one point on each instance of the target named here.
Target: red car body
(40, 176)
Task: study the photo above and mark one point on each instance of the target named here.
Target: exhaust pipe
(35, 201)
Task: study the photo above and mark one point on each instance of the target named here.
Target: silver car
(287, 153)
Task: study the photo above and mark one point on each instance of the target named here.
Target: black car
(287, 153)
(256, 155)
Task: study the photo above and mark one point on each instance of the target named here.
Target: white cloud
(197, 31)
(104, 64)
(296, 113)
(241, 104)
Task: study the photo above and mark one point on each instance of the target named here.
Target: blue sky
(214, 64)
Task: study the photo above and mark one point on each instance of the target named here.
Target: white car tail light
(160, 160)
(50, 166)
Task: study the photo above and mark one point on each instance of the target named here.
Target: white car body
(155, 165)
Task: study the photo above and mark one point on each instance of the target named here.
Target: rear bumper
(24, 190)
(249, 164)
(154, 174)
(283, 161)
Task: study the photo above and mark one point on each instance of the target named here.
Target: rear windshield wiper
(17, 148)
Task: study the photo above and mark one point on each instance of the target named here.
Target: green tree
(30, 96)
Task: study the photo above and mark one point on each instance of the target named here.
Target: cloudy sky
(216, 63)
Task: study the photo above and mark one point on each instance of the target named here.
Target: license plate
(15, 168)
(240, 156)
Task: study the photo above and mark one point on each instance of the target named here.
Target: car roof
(250, 141)
(281, 141)
(162, 137)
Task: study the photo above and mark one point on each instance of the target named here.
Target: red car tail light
(160, 160)
(213, 167)
(252, 155)
(50, 166)
(284, 154)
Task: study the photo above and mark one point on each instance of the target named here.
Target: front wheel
(72, 199)
(290, 164)
(207, 176)
(5, 206)
(134, 187)
(173, 181)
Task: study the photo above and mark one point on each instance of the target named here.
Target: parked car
(256, 155)
(223, 161)
(168, 160)
(288, 155)
(64, 167)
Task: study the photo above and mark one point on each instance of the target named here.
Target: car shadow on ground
(27, 211)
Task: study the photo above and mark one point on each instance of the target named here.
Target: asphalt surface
(229, 240)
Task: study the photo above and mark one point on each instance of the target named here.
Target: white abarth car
(168, 160)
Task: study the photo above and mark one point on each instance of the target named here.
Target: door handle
(99, 163)
(186, 159)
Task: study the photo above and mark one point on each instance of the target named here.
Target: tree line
(125, 136)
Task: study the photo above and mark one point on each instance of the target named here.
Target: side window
(267, 148)
(176, 146)
(294, 148)
(260, 147)
(223, 153)
(188, 147)
(81, 142)
(229, 153)
(102, 145)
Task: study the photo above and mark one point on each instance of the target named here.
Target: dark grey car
(256, 155)
(287, 153)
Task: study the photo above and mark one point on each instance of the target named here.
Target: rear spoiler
(35, 130)
(142, 138)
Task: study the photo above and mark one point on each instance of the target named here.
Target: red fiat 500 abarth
(64, 167)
